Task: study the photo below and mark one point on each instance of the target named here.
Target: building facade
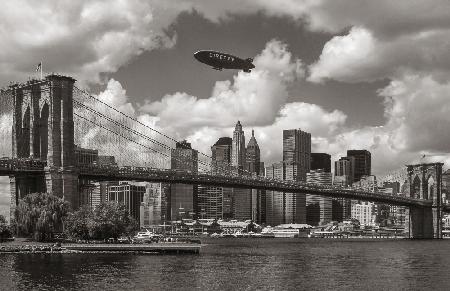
(183, 197)
(345, 168)
(297, 150)
(363, 163)
(154, 205)
(238, 148)
(221, 155)
(321, 161)
(284, 207)
(364, 213)
(129, 195)
(318, 208)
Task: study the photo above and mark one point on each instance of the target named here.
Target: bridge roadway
(113, 173)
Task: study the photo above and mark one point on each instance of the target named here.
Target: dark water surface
(244, 264)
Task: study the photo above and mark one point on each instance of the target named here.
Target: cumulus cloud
(255, 98)
(81, 38)
(359, 57)
(418, 112)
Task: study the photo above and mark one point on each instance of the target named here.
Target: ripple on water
(252, 264)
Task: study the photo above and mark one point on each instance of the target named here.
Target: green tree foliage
(108, 220)
(40, 215)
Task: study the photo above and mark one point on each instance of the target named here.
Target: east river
(243, 264)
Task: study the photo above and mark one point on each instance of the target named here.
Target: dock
(159, 248)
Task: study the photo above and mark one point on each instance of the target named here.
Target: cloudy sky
(355, 74)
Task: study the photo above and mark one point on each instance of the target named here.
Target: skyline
(345, 73)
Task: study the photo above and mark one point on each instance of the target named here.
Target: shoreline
(67, 248)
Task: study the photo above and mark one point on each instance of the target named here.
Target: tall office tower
(252, 156)
(221, 155)
(154, 205)
(284, 207)
(183, 197)
(241, 197)
(217, 202)
(297, 149)
(362, 163)
(129, 195)
(246, 206)
(345, 169)
(261, 203)
(238, 147)
(227, 203)
(321, 161)
(275, 200)
(210, 202)
(318, 208)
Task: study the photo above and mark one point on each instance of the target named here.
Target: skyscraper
(318, 208)
(252, 155)
(128, 194)
(242, 198)
(252, 166)
(289, 207)
(297, 149)
(210, 202)
(321, 161)
(183, 197)
(153, 207)
(238, 147)
(221, 155)
(344, 168)
(284, 207)
(217, 202)
(362, 163)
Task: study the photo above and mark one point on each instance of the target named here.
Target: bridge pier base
(424, 223)
(64, 184)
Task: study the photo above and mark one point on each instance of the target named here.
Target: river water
(243, 264)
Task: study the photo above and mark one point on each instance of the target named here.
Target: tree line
(42, 215)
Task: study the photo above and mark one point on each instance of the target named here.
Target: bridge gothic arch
(24, 146)
(416, 187)
(43, 132)
(430, 188)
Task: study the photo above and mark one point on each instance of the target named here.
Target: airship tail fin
(250, 60)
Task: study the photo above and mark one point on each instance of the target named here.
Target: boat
(285, 232)
(142, 236)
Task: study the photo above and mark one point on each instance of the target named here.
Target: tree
(5, 230)
(108, 220)
(111, 220)
(40, 215)
(77, 224)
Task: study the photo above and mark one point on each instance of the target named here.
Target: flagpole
(41, 69)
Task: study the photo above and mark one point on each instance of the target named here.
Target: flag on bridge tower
(39, 68)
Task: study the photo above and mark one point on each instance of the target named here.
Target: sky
(355, 74)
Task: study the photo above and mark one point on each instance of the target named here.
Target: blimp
(219, 61)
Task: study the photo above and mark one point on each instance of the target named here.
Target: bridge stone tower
(43, 129)
(425, 182)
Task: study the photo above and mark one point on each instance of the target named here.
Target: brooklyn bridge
(47, 119)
